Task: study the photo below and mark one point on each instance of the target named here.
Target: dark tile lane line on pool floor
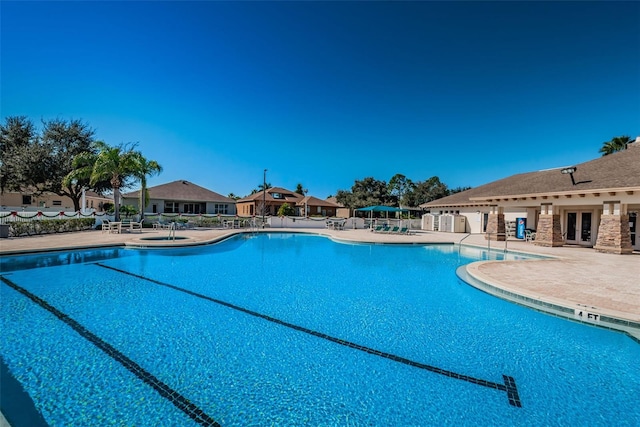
(509, 385)
(181, 402)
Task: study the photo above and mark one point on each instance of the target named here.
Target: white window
(221, 209)
(171, 207)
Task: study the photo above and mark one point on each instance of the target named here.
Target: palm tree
(82, 165)
(82, 169)
(116, 164)
(264, 187)
(616, 144)
(144, 168)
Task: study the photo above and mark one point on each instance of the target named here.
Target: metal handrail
(488, 240)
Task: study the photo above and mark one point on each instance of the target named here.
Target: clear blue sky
(324, 93)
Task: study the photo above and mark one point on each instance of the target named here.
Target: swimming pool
(294, 329)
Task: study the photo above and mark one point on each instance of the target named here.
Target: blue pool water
(297, 330)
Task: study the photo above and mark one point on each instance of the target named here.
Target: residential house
(272, 200)
(592, 204)
(316, 207)
(31, 201)
(182, 197)
(341, 210)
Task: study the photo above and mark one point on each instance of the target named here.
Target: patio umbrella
(379, 208)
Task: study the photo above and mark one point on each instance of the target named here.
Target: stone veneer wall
(614, 235)
(495, 228)
(548, 231)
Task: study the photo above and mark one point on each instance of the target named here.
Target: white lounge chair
(134, 225)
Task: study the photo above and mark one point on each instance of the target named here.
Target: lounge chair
(404, 230)
(377, 229)
(161, 225)
(394, 230)
(134, 225)
(385, 229)
(106, 226)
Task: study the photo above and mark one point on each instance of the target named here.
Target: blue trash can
(521, 225)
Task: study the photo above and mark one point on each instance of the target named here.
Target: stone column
(614, 234)
(495, 225)
(548, 229)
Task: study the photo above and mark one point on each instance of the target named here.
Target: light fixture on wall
(570, 171)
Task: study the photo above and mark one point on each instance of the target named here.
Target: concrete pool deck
(606, 286)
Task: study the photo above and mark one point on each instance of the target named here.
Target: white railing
(26, 216)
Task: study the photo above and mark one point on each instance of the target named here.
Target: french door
(578, 226)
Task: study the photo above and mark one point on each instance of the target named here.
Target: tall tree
(143, 169)
(117, 164)
(428, 190)
(400, 187)
(18, 137)
(366, 192)
(618, 143)
(62, 141)
(300, 188)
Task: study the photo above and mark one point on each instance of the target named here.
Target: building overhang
(535, 198)
(606, 192)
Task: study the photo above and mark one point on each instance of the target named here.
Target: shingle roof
(183, 191)
(314, 201)
(618, 171)
(334, 199)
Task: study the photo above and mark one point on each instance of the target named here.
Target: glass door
(585, 228)
(572, 221)
(578, 227)
(633, 226)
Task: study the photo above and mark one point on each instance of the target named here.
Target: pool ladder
(172, 231)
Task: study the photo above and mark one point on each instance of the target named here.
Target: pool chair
(106, 226)
(385, 229)
(161, 225)
(377, 229)
(404, 230)
(135, 225)
(529, 236)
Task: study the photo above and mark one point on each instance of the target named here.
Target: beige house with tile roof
(183, 197)
(593, 204)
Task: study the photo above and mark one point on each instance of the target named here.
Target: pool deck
(599, 285)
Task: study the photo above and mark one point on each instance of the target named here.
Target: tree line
(399, 191)
(64, 158)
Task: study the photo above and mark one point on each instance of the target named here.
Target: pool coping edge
(553, 306)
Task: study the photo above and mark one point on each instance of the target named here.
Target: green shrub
(49, 226)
